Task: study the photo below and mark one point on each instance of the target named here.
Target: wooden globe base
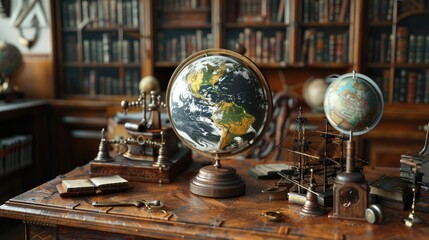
(218, 182)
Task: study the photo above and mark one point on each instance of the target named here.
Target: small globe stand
(218, 181)
(10, 63)
(353, 104)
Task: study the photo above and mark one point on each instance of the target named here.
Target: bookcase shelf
(257, 25)
(398, 50)
(102, 47)
(167, 26)
(325, 25)
(329, 37)
(147, 37)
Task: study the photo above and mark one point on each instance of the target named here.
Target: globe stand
(7, 91)
(217, 181)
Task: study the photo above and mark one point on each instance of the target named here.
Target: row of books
(323, 11)
(379, 48)
(15, 152)
(380, 10)
(254, 11)
(262, 47)
(411, 48)
(106, 50)
(382, 80)
(182, 4)
(95, 83)
(173, 48)
(411, 87)
(392, 192)
(105, 13)
(322, 47)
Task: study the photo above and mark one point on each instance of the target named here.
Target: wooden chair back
(269, 147)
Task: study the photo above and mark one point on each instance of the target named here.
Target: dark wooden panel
(75, 133)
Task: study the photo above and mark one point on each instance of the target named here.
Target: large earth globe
(10, 59)
(353, 104)
(219, 103)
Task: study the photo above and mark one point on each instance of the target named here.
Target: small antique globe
(219, 105)
(149, 83)
(353, 104)
(10, 59)
(314, 92)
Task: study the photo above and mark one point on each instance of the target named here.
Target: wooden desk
(45, 214)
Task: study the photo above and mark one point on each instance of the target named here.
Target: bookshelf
(398, 50)
(182, 28)
(101, 44)
(261, 28)
(108, 45)
(326, 33)
(23, 148)
(290, 40)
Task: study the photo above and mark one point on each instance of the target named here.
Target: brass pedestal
(217, 182)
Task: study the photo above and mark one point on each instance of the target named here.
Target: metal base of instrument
(311, 208)
(217, 182)
(412, 220)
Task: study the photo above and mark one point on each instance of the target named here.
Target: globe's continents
(10, 58)
(353, 103)
(218, 103)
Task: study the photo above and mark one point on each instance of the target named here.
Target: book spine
(396, 88)
(412, 48)
(420, 88)
(259, 37)
(385, 88)
(419, 49)
(113, 13)
(135, 13)
(383, 47)
(402, 43)
(411, 87)
(136, 51)
(286, 50)
(403, 84)
(331, 48)
(389, 48)
(426, 52)
(426, 97)
(339, 48)
(279, 46)
(106, 48)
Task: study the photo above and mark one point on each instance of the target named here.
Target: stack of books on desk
(393, 192)
(406, 170)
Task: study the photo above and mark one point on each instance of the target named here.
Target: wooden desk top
(194, 217)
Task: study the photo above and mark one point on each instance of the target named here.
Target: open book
(95, 185)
